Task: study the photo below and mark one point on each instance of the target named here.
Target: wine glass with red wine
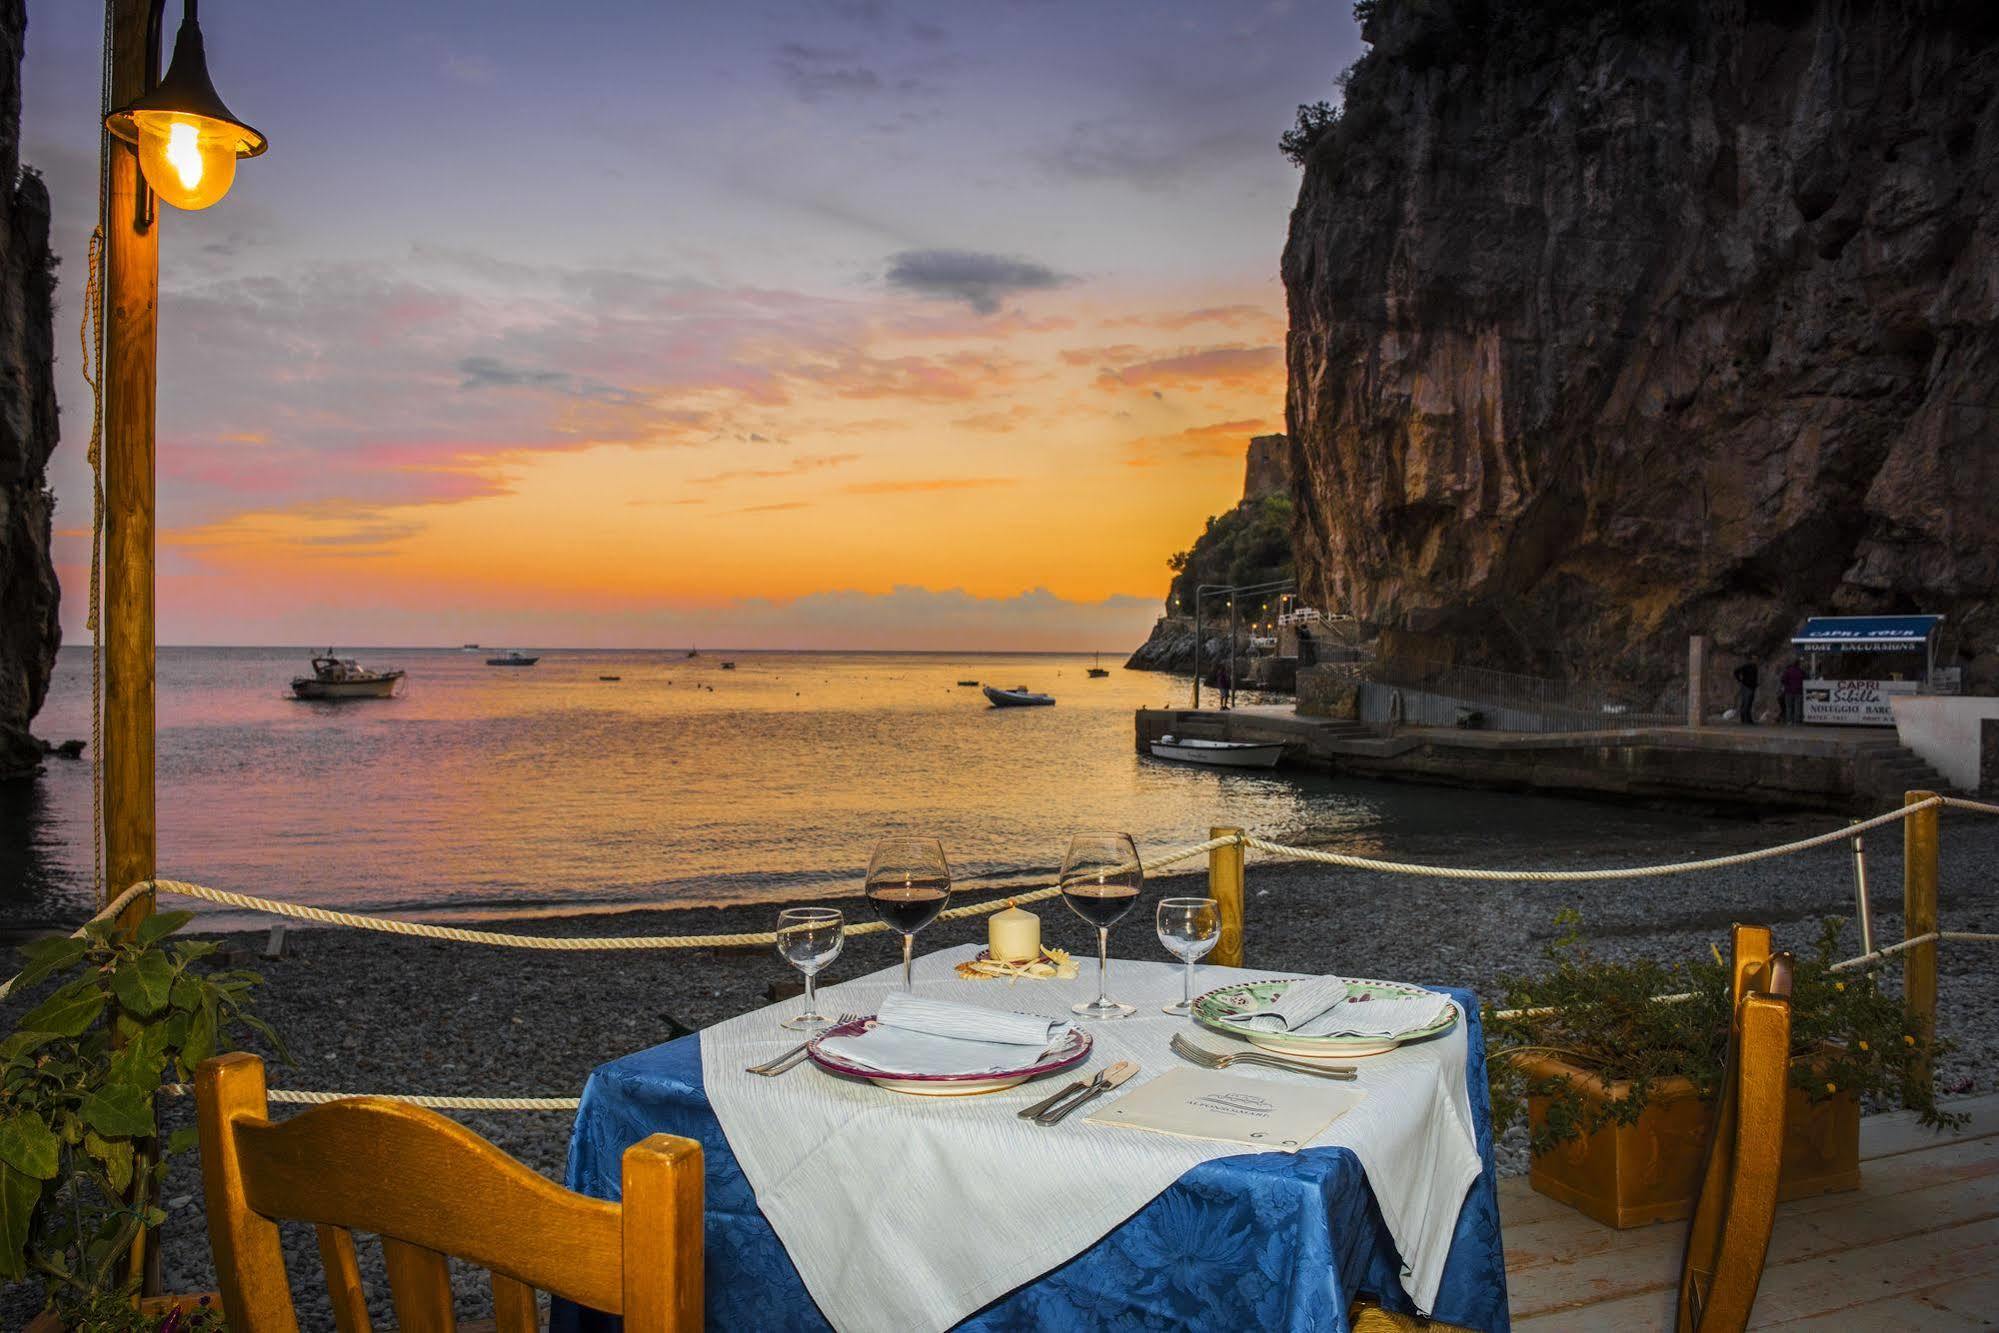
(1100, 881)
(909, 882)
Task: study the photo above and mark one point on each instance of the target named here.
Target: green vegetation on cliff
(1249, 544)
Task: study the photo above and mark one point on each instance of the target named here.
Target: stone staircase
(1884, 769)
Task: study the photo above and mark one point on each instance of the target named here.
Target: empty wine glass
(1100, 881)
(1189, 928)
(909, 881)
(809, 938)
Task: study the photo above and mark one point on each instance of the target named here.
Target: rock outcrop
(1267, 469)
(1612, 324)
(29, 631)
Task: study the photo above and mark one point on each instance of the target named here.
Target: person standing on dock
(1747, 677)
(1225, 682)
(1791, 689)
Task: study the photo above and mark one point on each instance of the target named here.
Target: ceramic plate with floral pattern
(1213, 1008)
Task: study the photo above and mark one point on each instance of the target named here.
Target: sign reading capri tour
(1853, 703)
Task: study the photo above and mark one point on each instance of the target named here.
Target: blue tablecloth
(1269, 1241)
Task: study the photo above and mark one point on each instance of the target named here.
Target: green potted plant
(1617, 1088)
(80, 1159)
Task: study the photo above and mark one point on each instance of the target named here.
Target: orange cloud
(1090, 356)
(1232, 366)
(997, 423)
(1231, 316)
(911, 486)
(803, 463)
(1219, 439)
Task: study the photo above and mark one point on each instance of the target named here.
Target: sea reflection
(485, 791)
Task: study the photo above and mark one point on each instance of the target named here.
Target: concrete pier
(1811, 768)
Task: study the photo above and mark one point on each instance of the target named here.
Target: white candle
(1014, 936)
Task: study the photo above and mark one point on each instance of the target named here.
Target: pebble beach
(365, 1012)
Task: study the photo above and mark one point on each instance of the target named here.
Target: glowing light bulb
(190, 161)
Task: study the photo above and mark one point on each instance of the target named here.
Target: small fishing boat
(468, 648)
(694, 652)
(973, 683)
(1017, 697)
(512, 657)
(728, 666)
(344, 678)
(610, 678)
(1099, 670)
(1223, 754)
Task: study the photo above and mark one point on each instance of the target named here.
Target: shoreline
(364, 1012)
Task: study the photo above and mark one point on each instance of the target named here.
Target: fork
(779, 1064)
(1208, 1059)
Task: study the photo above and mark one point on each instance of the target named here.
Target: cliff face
(1608, 328)
(29, 632)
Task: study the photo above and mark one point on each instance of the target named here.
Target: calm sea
(486, 791)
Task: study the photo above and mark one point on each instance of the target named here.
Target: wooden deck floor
(1915, 1247)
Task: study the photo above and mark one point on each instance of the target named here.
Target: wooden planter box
(1631, 1175)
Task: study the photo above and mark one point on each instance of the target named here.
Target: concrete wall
(1944, 730)
(1421, 708)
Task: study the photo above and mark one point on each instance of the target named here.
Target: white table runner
(913, 1212)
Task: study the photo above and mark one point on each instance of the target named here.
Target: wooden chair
(1729, 1233)
(430, 1188)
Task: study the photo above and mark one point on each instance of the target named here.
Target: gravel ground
(381, 1013)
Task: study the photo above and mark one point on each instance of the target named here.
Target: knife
(1028, 1113)
(1113, 1077)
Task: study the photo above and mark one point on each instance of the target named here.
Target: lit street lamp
(188, 141)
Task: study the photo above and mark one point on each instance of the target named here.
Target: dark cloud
(980, 280)
(489, 372)
(817, 73)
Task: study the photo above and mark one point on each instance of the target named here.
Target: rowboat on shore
(512, 657)
(336, 678)
(1017, 697)
(1222, 754)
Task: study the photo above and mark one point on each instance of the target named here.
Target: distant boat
(1017, 697)
(512, 657)
(968, 682)
(694, 652)
(468, 648)
(1099, 669)
(344, 678)
(728, 666)
(1223, 754)
(610, 678)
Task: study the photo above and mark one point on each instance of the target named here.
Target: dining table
(1220, 1237)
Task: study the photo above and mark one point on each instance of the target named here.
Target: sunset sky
(629, 323)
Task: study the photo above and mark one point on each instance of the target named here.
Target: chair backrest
(1729, 1233)
(432, 1189)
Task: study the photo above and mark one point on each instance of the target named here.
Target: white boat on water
(344, 678)
(1224, 754)
(512, 657)
(1017, 697)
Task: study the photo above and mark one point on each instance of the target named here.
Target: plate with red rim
(1071, 1050)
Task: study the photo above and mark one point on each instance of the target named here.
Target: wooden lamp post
(184, 144)
(184, 147)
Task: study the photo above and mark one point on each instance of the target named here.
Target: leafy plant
(1847, 1035)
(77, 1080)
(1251, 543)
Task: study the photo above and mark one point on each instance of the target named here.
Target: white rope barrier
(1573, 876)
(287, 1096)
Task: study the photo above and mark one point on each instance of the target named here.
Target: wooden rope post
(1920, 844)
(1225, 887)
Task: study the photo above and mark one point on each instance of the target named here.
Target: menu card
(1213, 1104)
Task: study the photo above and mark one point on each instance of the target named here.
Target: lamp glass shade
(189, 160)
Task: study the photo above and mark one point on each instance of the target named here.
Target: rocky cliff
(1611, 324)
(29, 633)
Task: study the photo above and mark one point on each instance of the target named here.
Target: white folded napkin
(1299, 1003)
(969, 1022)
(915, 1035)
